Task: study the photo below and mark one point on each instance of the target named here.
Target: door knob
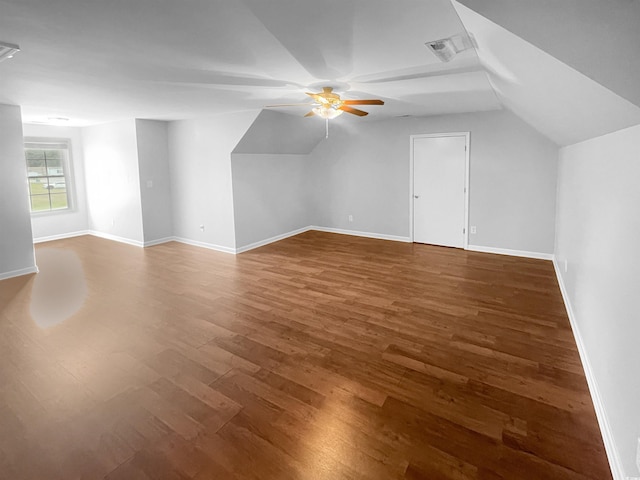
(416, 196)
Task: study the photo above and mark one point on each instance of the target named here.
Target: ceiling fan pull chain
(327, 129)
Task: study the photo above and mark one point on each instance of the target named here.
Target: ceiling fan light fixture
(327, 111)
(8, 50)
(329, 105)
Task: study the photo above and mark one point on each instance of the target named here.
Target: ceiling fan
(329, 105)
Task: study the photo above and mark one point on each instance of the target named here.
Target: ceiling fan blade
(310, 114)
(354, 111)
(363, 102)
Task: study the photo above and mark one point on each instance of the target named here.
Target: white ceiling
(558, 101)
(98, 61)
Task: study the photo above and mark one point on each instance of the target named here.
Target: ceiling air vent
(8, 50)
(447, 48)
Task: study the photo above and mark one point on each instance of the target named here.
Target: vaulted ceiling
(101, 61)
(557, 100)
(599, 38)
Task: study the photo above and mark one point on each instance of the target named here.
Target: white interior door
(439, 198)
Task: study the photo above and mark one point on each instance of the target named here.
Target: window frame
(67, 165)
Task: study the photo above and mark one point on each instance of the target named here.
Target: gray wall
(597, 233)
(201, 186)
(363, 170)
(270, 196)
(115, 152)
(76, 218)
(153, 167)
(271, 176)
(113, 181)
(16, 245)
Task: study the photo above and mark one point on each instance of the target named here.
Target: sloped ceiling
(599, 38)
(98, 61)
(280, 133)
(558, 101)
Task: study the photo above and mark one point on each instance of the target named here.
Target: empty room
(340, 239)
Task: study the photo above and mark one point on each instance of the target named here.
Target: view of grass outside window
(46, 168)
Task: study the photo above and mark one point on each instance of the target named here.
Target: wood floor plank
(319, 356)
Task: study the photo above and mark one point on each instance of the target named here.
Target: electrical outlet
(202, 228)
(473, 229)
(149, 183)
(351, 218)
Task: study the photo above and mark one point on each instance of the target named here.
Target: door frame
(467, 136)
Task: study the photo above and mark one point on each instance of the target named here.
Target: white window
(48, 174)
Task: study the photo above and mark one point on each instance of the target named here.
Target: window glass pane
(37, 186)
(54, 162)
(54, 184)
(35, 167)
(53, 154)
(59, 200)
(33, 154)
(59, 185)
(40, 203)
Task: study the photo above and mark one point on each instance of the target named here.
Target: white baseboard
(18, 273)
(379, 236)
(607, 437)
(210, 246)
(513, 253)
(356, 233)
(61, 236)
(267, 241)
(159, 241)
(106, 236)
(136, 243)
(245, 248)
(116, 238)
(220, 248)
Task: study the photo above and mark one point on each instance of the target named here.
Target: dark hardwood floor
(321, 356)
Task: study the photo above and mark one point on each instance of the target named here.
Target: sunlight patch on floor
(60, 289)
